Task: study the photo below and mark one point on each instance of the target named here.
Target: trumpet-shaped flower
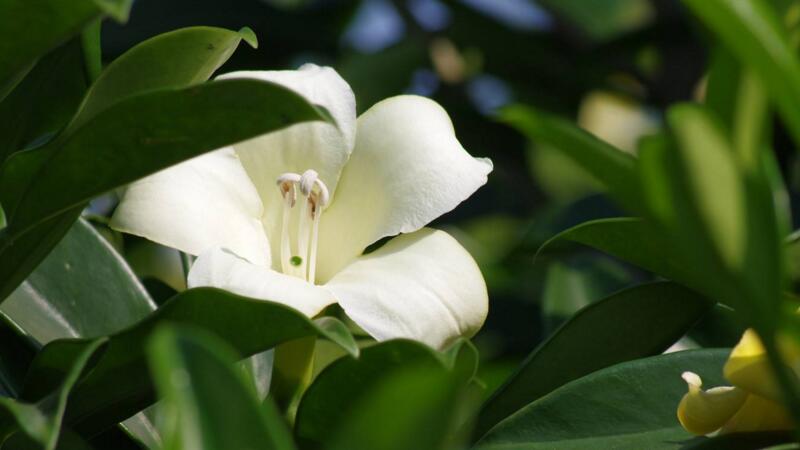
(287, 216)
(753, 403)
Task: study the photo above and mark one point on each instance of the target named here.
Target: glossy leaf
(66, 297)
(20, 259)
(118, 385)
(655, 316)
(615, 169)
(347, 380)
(82, 289)
(30, 29)
(627, 406)
(41, 421)
(207, 403)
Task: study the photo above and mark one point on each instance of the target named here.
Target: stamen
(316, 214)
(286, 251)
(302, 264)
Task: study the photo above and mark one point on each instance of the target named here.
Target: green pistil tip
(296, 260)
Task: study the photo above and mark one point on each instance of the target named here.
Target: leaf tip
(249, 36)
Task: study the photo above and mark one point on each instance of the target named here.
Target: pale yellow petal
(749, 369)
(702, 412)
(758, 414)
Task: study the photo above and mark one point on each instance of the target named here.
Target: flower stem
(294, 363)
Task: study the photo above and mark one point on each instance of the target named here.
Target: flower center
(299, 258)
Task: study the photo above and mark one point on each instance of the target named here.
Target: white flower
(286, 216)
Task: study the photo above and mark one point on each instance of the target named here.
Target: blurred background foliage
(611, 65)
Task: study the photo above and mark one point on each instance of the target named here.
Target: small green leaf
(118, 385)
(656, 315)
(627, 406)
(207, 403)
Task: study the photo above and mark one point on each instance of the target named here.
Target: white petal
(407, 169)
(315, 145)
(422, 286)
(222, 269)
(203, 203)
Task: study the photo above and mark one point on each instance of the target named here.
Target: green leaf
(752, 31)
(656, 315)
(45, 100)
(615, 169)
(413, 408)
(118, 385)
(627, 406)
(176, 59)
(82, 289)
(30, 29)
(715, 185)
(207, 404)
(347, 380)
(16, 354)
(636, 241)
(41, 421)
(719, 210)
(20, 259)
(200, 51)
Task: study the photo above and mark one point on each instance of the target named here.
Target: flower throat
(301, 261)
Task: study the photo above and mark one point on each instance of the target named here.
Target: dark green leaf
(118, 385)
(45, 100)
(628, 406)
(31, 28)
(347, 380)
(207, 404)
(16, 354)
(655, 316)
(177, 59)
(41, 421)
(413, 408)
